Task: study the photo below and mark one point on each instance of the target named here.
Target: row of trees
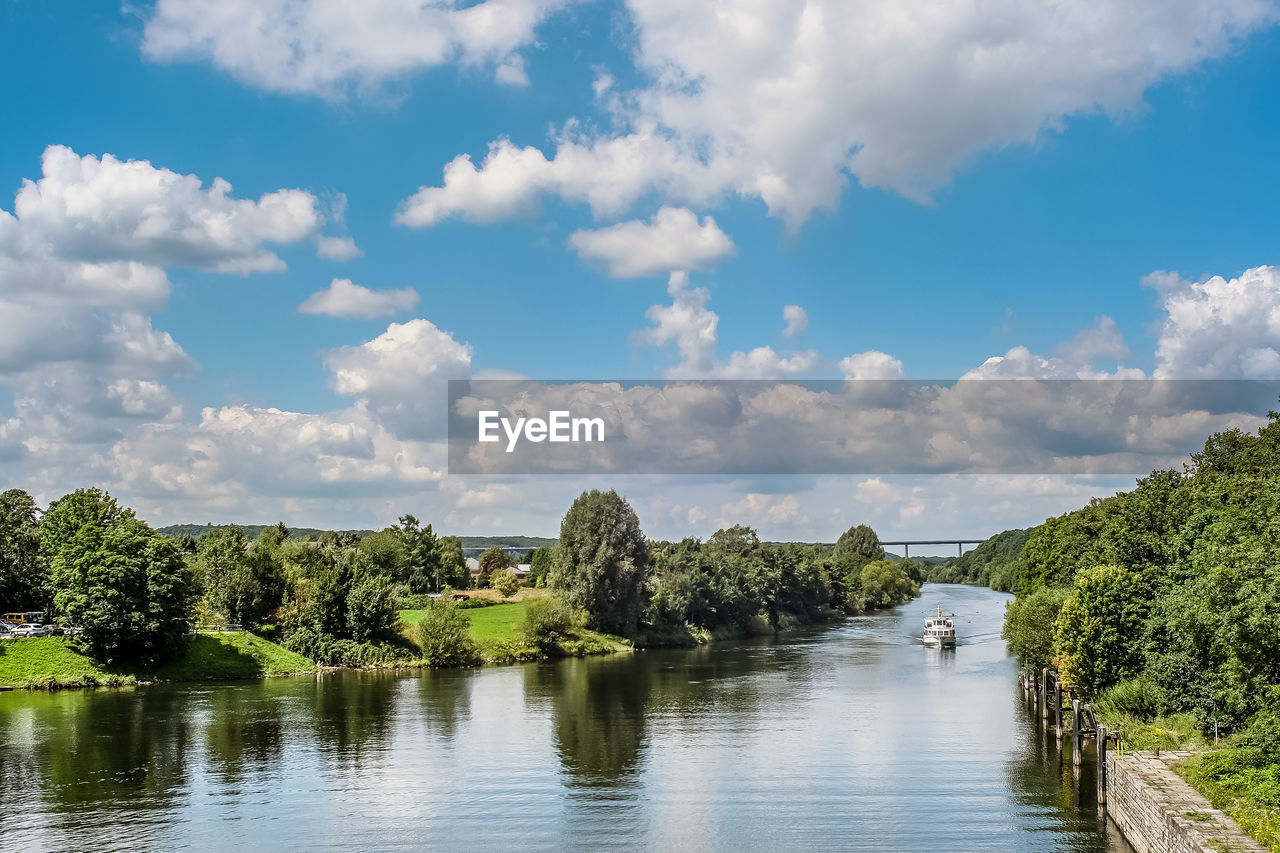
(1168, 594)
(603, 564)
(335, 597)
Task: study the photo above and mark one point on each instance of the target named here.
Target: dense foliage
(993, 563)
(24, 577)
(1175, 584)
(602, 560)
(443, 637)
(122, 583)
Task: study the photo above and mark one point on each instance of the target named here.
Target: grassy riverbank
(55, 662)
(498, 631)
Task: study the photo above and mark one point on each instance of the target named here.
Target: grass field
(499, 632)
(55, 662)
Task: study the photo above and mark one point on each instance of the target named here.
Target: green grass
(499, 634)
(238, 654)
(1243, 786)
(52, 662)
(49, 662)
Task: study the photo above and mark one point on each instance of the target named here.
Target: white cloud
(337, 248)
(1219, 327)
(689, 324)
(342, 298)
(782, 102)
(871, 364)
(99, 210)
(672, 240)
(327, 47)
(772, 512)
(400, 376)
(797, 320)
(1074, 359)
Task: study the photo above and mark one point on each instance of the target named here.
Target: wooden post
(1044, 693)
(1077, 727)
(1102, 765)
(1057, 706)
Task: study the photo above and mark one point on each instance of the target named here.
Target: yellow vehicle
(30, 617)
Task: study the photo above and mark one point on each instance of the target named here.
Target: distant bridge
(959, 543)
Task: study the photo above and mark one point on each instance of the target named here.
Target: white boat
(940, 631)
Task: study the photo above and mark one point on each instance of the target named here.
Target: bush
(471, 603)
(547, 622)
(505, 582)
(442, 634)
(1138, 697)
(1095, 634)
(371, 608)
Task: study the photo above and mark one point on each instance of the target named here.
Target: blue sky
(1050, 210)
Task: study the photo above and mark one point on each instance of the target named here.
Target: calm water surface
(854, 737)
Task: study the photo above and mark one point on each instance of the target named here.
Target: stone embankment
(1158, 812)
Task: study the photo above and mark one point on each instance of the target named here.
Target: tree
(885, 584)
(442, 634)
(494, 559)
(124, 584)
(423, 559)
(453, 566)
(371, 608)
(1096, 633)
(859, 544)
(244, 584)
(505, 582)
(24, 575)
(540, 562)
(1028, 626)
(601, 560)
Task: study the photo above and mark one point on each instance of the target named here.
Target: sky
(243, 244)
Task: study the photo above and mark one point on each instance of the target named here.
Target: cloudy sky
(244, 242)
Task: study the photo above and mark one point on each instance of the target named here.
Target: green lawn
(499, 632)
(51, 662)
(55, 662)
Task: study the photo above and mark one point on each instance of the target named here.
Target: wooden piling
(1044, 693)
(1077, 729)
(1102, 765)
(1057, 706)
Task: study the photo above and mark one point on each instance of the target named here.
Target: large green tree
(124, 584)
(601, 561)
(24, 575)
(242, 582)
(422, 555)
(493, 560)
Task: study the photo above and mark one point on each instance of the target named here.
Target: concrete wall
(1158, 812)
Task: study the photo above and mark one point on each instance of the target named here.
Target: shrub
(1094, 636)
(1028, 626)
(442, 635)
(547, 621)
(505, 582)
(1139, 697)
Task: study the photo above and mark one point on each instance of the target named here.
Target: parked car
(6, 628)
(31, 630)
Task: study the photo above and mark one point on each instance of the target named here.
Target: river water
(852, 737)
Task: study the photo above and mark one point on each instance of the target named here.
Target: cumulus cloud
(337, 248)
(1219, 327)
(1073, 359)
(871, 364)
(342, 298)
(783, 102)
(796, 319)
(104, 209)
(672, 240)
(691, 326)
(400, 376)
(327, 47)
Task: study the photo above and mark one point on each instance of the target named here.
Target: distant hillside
(470, 544)
(250, 530)
(994, 563)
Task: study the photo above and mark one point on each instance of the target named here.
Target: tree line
(1165, 599)
(335, 597)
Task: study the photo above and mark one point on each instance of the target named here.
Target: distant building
(473, 568)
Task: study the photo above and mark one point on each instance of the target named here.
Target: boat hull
(940, 642)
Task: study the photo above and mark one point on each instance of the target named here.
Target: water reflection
(854, 737)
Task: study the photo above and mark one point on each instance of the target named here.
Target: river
(852, 737)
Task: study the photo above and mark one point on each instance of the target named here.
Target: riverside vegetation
(1161, 605)
(344, 599)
